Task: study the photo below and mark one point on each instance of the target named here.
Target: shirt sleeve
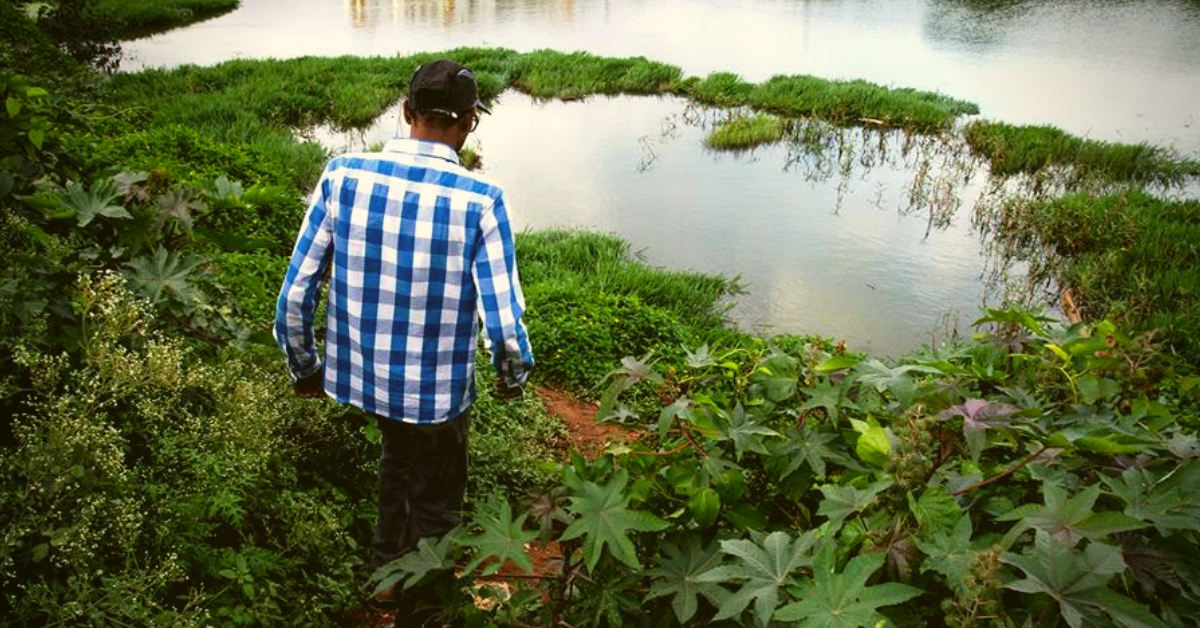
(301, 289)
(502, 303)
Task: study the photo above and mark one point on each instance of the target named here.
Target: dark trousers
(422, 480)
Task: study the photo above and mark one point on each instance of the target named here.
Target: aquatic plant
(1074, 162)
(743, 132)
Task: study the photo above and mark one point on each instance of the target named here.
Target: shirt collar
(422, 148)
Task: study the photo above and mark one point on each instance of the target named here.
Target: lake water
(819, 251)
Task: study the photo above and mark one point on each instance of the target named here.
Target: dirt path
(588, 436)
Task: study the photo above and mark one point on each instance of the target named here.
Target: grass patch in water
(746, 132)
(552, 74)
(838, 102)
(141, 18)
(1132, 258)
(1013, 149)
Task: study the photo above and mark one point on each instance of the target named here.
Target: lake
(821, 249)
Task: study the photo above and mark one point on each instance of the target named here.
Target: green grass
(141, 18)
(839, 102)
(745, 132)
(592, 302)
(1012, 150)
(1131, 258)
(552, 74)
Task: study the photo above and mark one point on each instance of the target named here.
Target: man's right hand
(310, 386)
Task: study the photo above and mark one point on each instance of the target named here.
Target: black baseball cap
(444, 87)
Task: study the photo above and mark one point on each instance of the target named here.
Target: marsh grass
(1131, 257)
(568, 76)
(604, 263)
(839, 102)
(745, 132)
(141, 18)
(592, 302)
(1013, 150)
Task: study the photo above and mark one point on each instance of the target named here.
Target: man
(417, 250)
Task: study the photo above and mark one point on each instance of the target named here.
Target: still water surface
(833, 255)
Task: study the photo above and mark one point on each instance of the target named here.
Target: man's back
(416, 243)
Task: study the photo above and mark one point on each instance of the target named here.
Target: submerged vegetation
(157, 470)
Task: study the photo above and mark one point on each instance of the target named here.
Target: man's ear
(408, 116)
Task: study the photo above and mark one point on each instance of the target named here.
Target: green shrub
(213, 472)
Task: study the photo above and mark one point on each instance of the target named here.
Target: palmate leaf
(873, 446)
(503, 539)
(807, 445)
(978, 416)
(844, 600)
(165, 275)
(631, 371)
(432, 555)
(746, 434)
(841, 501)
(1078, 581)
(763, 571)
(181, 204)
(1070, 518)
(775, 378)
(951, 554)
(603, 517)
(677, 576)
(829, 397)
(98, 201)
(1170, 503)
(700, 358)
(896, 380)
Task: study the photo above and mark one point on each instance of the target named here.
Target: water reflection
(444, 14)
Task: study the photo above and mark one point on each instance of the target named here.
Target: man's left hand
(310, 386)
(508, 392)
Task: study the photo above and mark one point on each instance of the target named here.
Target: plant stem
(1003, 474)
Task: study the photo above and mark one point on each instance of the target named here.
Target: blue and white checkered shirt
(420, 248)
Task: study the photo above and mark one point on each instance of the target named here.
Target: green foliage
(590, 302)
(140, 18)
(81, 30)
(570, 76)
(746, 503)
(23, 45)
(1078, 581)
(746, 132)
(1012, 149)
(139, 456)
(1130, 257)
(838, 102)
(511, 442)
(844, 600)
(36, 130)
